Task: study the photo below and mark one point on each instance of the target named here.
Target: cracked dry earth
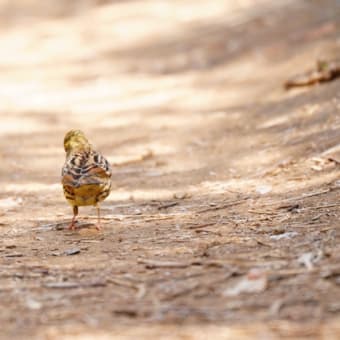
(224, 218)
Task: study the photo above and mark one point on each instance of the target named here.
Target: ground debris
(62, 285)
(254, 282)
(150, 264)
(224, 205)
(309, 259)
(325, 70)
(199, 226)
(74, 284)
(173, 290)
(72, 251)
(52, 226)
(14, 255)
(167, 205)
(182, 195)
(286, 235)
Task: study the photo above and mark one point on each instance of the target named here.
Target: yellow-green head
(75, 140)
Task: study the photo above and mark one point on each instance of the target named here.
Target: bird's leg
(98, 226)
(72, 225)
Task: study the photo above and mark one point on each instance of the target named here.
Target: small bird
(86, 174)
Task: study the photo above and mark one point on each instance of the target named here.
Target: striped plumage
(86, 174)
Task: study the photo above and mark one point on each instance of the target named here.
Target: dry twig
(223, 206)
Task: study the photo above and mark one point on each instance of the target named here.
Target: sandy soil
(224, 218)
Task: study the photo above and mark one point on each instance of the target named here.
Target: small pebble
(72, 251)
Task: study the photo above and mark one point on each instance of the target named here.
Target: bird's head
(75, 140)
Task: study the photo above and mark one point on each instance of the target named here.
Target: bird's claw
(72, 226)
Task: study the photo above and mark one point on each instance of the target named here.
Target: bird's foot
(72, 225)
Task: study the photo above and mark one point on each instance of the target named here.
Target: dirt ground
(223, 222)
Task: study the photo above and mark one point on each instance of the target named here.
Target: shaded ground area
(224, 218)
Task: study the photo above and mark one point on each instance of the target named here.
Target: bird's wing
(83, 168)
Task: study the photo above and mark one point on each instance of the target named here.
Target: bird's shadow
(64, 226)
